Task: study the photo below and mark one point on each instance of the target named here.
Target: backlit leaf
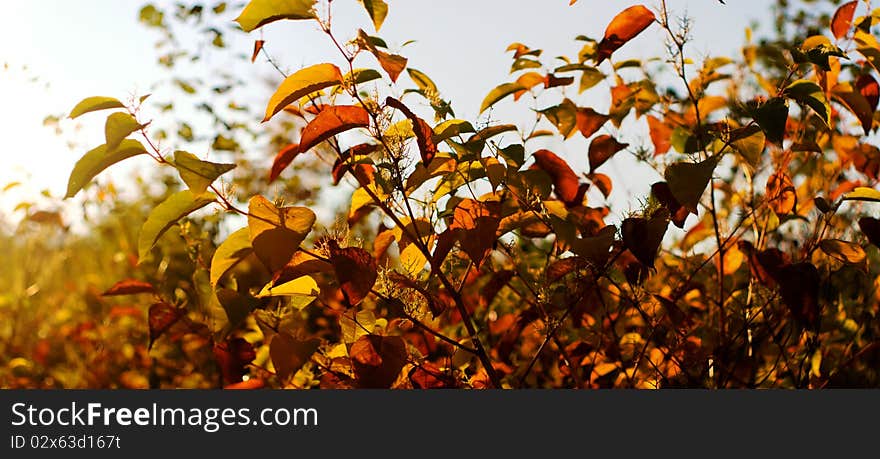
(844, 251)
(356, 270)
(565, 181)
(863, 194)
(377, 9)
(289, 354)
(331, 121)
(166, 214)
(197, 174)
(781, 193)
(590, 121)
(475, 224)
(661, 134)
(232, 251)
(869, 89)
(98, 159)
(842, 20)
(602, 148)
(377, 360)
(811, 95)
(283, 158)
(688, 181)
(300, 84)
(563, 116)
(276, 233)
(91, 104)
(500, 92)
(258, 13)
(623, 28)
(856, 102)
(301, 286)
(423, 131)
(119, 126)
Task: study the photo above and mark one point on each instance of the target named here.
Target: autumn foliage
(471, 255)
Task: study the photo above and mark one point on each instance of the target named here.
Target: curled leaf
(300, 84)
(623, 28)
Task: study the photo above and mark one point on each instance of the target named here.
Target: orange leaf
(423, 131)
(869, 89)
(602, 182)
(129, 287)
(258, 46)
(603, 148)
(283, 159)
(842, 20)
(589, 121)
(661, 135)
(623, 28)
(781, 193)
(356, 271)
(565, 181)
(250, 384)
(377, 360)
(474, 224)
(331, 121)
(363, 172)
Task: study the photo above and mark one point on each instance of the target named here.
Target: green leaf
(91, 104)
(166, 214)
(98, 159)
(500, 92)
(232, 251)
(119, 126)
(810, 94)
(563, 116)
(377, 9)
(301, 84)
(422, 81)
(750, 145)
(863, 194)
(258, 13)
(198, 174)
(362, 76)
(687, 181)
(591, 77)
(301, 286)
(451, 128)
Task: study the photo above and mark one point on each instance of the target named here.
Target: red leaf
(282, 160)
(258, 46)
(233, 355)
(552, 81)
(661, 135)
(869, 89)
(474, 223)
(565, 181)
(356, 271)
(250, 384)
(129, 287)
(623, 28)
(842, 20)
(160, 318)
(590, 121)
(363, 172)
(602, 148)
(331, 121)
(424, 132)
(377, 360)
(602, 182)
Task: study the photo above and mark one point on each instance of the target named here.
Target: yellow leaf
(301, 84)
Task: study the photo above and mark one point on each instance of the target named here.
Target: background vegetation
(468, 254)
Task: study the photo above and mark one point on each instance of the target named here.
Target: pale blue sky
(96, 47)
